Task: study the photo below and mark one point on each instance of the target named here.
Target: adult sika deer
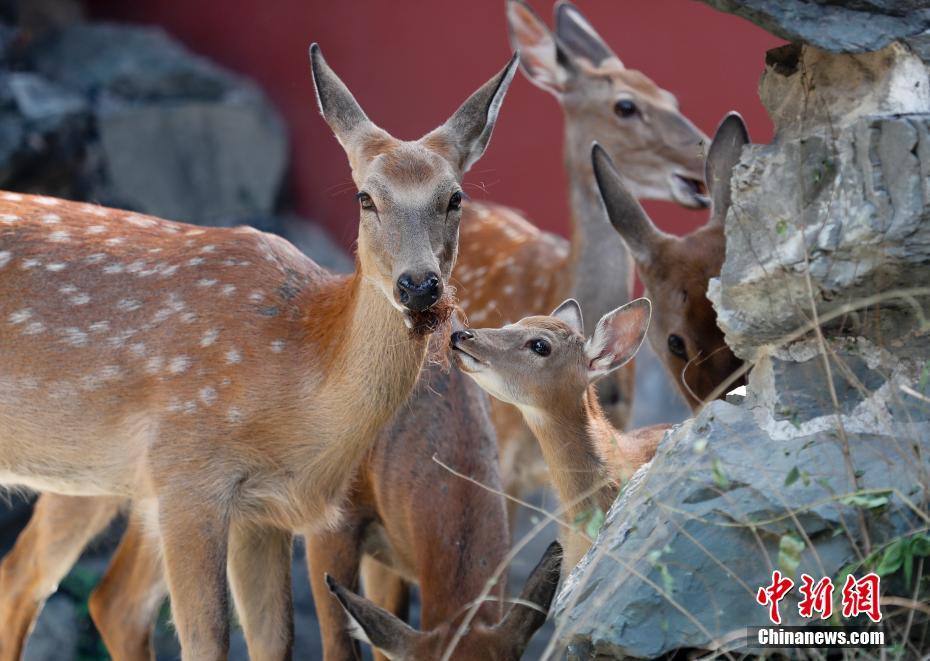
(219, 378)
(544, 366)
(676, 270)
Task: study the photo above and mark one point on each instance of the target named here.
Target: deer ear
(579, 37)
(570, 313)
(374, 625)
(530, 613)
(639, 233)
(542, 58)
(466, 134)
(339, 108)
(617, 337)
(722, 157)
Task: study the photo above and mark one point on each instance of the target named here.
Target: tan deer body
(676, 270)
(219, 378)
(508, 269)
(546, 368)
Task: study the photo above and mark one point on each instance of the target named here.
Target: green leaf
(668, 581)
(781, 227)
(920, 545)
(924, 376)
(595, 522)
(792, 476)
(891, 558)
(867, 500)
(720, 478)
(790, 547)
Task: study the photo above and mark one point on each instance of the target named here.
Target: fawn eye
(455, 202)
(677, 346)
(365, 201)
(539, 346)
(625, 108)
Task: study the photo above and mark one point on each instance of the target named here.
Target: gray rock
(840, 26)
(210, 163)
(56, 634)
(38, 99)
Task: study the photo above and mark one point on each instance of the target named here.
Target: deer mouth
(690, 192)
(466, 361)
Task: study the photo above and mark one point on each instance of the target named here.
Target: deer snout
(419, 292)
(461, 336)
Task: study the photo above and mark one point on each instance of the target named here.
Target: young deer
(546, 368)
(126, 343)
(396, 640)
(508, 269)
(676, 270)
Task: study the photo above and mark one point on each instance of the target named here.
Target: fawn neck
(600, 264)
(572, 438)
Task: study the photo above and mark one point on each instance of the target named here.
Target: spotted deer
(218, 378)
(508, 269)
(676, 270)
(502, 641)
(544, 366)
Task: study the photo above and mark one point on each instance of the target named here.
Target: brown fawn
(544, 366)
(127, 340)
(503, 641)
(676, 270)
(508, 269)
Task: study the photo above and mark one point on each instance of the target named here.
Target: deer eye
(365, 201)
(625, 108)
(455, 202)
(539, 346)
(677, 346)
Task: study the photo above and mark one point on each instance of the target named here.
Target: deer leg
(194, 529)
(125, 603)
(385, 588)
(60, 528)
(260, 576)
(338, 554)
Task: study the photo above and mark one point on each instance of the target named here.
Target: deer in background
(676, 270)
(396, 640)
(219, 378)
(546, 368)
(508, 269)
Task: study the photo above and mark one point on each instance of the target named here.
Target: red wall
(410, 64)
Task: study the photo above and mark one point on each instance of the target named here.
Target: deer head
(637, 121)
(542, 362)
(409, 192)
(504, 641)
(676, 270)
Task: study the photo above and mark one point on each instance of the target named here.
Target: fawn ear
(617, 337)
(374, 625)
(722, 157)
(543, 59)
(638, 231)
(570, 313)
(526, 616)
(579, 37)
(466, 134)
(341, 111)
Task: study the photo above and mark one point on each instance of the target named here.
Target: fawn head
(541, 362)
(504, 641)
(409, 192)
(676, 270)
(637, 121)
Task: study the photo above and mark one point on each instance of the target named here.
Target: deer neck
(571, 438)
(372, 364)
(600, 264)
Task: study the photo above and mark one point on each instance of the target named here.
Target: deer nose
(418, 294)
(461, 336)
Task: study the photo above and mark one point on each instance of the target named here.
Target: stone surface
(842, 26)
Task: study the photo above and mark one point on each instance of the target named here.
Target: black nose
(461, 336)
(418, 294)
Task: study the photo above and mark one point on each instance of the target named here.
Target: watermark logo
(859, 596)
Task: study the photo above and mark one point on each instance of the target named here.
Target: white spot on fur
(31, 263)
(137, 349)
(115, 241)
(179, 364)
(195, 261)
(188, 317)
(208, 395)
(59, 236)
(47, 201)
(96, 229)
(128, 304)
(20, 316)
(206, 282)
(80, 299)
(51, 219)
(208, 248)
(99, 327)
(229, 290)
(57, 266)
(111, 269)
(277, 346)
(74, 336)
(9, 218)
(174, 405)
(110, 372)
(34, 328)
(233, 357)
(140, 221)
(154, 364)
(193, 232)
(136, 266)
(96, 258)
(233, 414)
(209, 337)
(13, 197)
(5, 257)
(256, 297)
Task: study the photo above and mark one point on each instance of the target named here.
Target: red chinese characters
(817, 597)
(770, 596)
(860, 597)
